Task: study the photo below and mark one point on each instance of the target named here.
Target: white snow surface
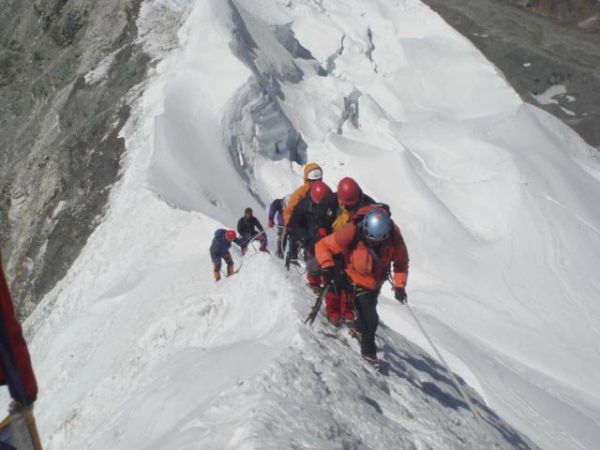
(498, 202)
(548, 97)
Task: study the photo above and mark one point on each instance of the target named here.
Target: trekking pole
(453, 377)
(33, 431)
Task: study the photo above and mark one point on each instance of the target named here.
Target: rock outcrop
(67, 69)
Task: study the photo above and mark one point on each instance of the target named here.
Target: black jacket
(305, 223)
(246, 227)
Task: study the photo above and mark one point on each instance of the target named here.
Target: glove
(327, 274)
(270, 224)
(322, 232)
(17, 407)
(400, 295)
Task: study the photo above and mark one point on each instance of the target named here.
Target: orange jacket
(365, 268)
(299, 193)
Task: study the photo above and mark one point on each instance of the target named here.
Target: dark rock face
(536, 54)
(568, 10)
(66, 68)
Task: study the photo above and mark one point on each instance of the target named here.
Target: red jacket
(15, 363)
(364, 267)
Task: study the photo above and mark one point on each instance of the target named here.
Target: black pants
(367, 320)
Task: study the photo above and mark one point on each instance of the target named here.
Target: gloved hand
(327, 274)
(270, 223)
(322, 232)
(17, 407)
(400, 295)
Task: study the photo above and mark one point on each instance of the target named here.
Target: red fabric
(318, 191)
(337, 306)
(12, 339)
(348, 191)
(313, 280)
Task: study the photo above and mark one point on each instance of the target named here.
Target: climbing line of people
(350, 243)
(249, 229)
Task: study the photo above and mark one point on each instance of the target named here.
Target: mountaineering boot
(230, 271)
(217, 275)
(355, 334)
(371, 359)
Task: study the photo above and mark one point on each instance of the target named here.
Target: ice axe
(317, 306)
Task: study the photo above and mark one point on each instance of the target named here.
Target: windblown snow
(498, 202)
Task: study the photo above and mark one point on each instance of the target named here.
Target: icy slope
(498, 202)
(138, 348)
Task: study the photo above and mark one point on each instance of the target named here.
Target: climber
(304, 228)
(276, 220)
(370, 242)
(334, 212)
(312, 173)
(250, 229)
(16, 372)
(219, 250)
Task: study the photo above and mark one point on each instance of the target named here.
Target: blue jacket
(220, 245)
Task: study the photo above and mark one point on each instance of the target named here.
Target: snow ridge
(138, 348)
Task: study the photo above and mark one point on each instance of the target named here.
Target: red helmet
(348, 191)
(230, 235)
(318, 191)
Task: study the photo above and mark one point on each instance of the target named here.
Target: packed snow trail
(138, 348)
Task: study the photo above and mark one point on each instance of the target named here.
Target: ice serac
(137, 347)
(255, 126)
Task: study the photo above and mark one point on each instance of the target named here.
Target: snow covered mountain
(138, 348)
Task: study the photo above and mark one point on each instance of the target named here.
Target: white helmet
(315, 174)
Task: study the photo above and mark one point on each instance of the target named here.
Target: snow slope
(138, 348)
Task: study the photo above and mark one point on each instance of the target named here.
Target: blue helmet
(376, 225)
